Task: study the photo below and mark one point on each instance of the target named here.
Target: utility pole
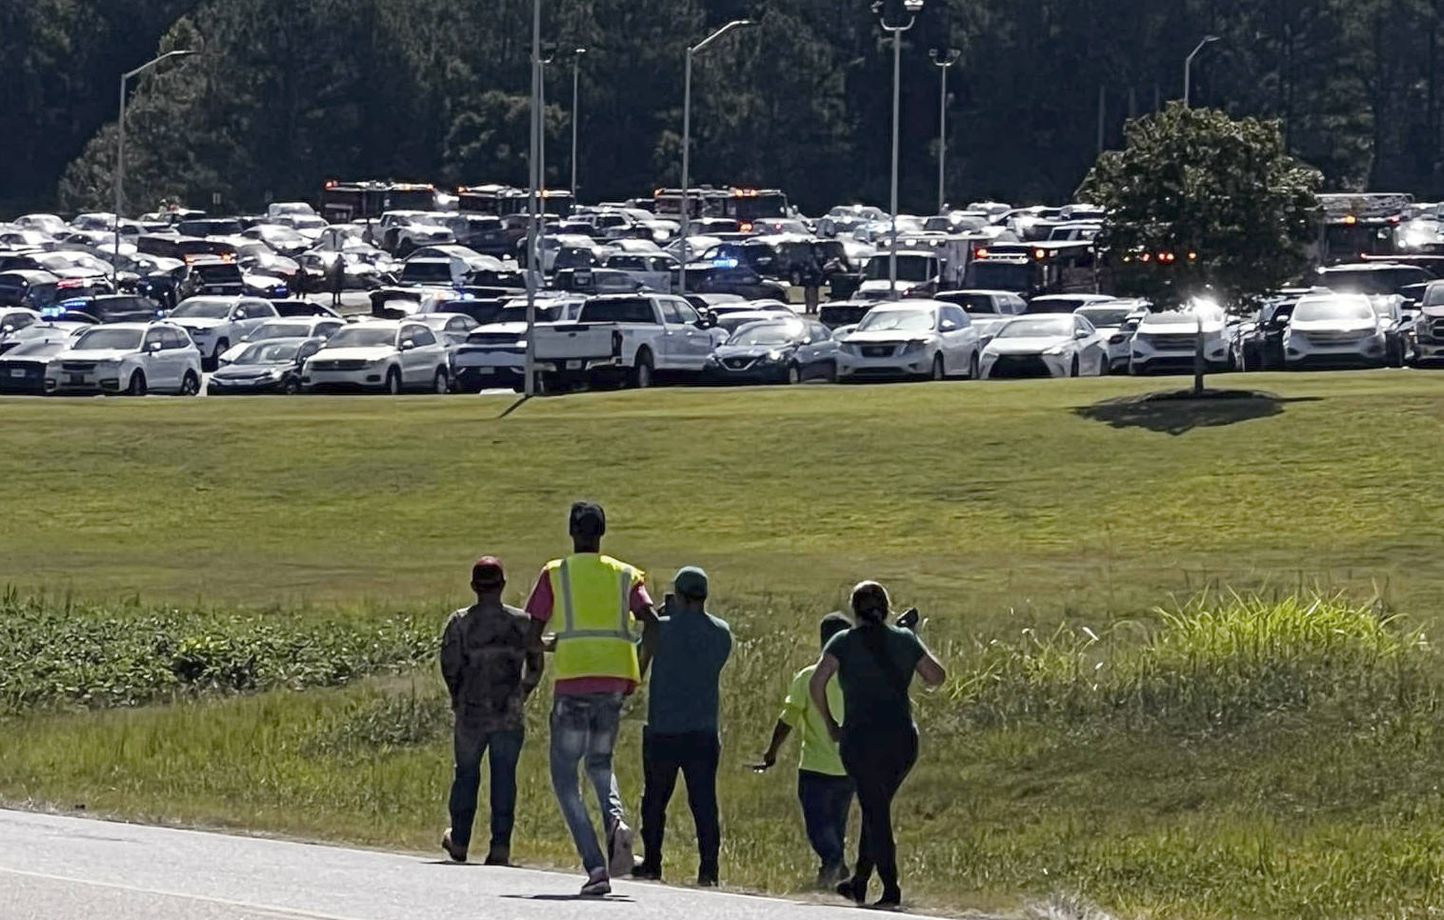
(913, 7)
(533, 201)
(944, 58)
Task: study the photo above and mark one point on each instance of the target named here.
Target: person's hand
(834, 731)
(549, 642)
(769, 760)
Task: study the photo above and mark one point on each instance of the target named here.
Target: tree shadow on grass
(1181, 411)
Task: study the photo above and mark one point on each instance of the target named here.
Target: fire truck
(1359, 225)
(348, 201)
(740, 204)
(505, 200)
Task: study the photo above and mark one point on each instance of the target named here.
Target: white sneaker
(598, 885)
(621, 859)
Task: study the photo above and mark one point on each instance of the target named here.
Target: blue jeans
(826, 800)
(584, 730)
(469, 745)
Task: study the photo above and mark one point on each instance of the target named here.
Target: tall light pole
(913, 7)
(119, 179)
(1188, 69)
(576, 111)
(533, 199)
(687, 134)
(944, 58)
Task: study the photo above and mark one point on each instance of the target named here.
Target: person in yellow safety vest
(597, 665)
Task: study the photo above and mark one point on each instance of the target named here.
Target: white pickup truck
(624, 338)
(494, 355)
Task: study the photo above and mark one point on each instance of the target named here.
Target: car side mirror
(407, 344)
(1080, 334)
(948, 326)
(153, 346)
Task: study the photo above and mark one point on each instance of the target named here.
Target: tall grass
(1211, 664)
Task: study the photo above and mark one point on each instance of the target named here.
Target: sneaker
(854, 892)
(646, 872)
(457, 854)
(598, 885)
(619, 845)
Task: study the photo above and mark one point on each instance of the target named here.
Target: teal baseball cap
(691, 582)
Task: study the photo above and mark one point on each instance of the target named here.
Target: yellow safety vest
(594, 593)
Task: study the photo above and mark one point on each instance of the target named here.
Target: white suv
(1335, 330)
(217, 323)
(129, 358)
(911, 338)
(384, 355)
(1167, 342)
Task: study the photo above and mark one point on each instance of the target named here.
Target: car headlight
(1055, 351)
(775, 355)
(913, 347)
(848, 348)
(277, 373)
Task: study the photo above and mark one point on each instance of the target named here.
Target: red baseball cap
(488, 572)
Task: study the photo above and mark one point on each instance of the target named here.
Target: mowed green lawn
(976, 499)
(995, 507)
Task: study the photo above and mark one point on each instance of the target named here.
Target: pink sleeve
(641, 600)
(539, 605)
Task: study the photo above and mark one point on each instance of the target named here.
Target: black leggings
(878, 761)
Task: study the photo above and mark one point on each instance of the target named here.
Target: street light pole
(913, 7)
(1188, 69)
(944, 58)
(533, 201)
(576, 112)
(119, 179)
(687, 136)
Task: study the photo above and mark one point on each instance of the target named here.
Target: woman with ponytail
(874, 663)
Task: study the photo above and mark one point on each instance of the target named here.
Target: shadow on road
(1180, 412)
(611, 898)
(521, 401)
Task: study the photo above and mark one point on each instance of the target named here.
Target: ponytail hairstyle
(870, 603)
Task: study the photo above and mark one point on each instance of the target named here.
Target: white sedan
(295, 327)
(910, 338)
(1048, 345)
(217, 323)
(384, 355)
(129, 358)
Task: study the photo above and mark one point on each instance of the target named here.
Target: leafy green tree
(1198, 201)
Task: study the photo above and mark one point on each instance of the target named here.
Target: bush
(1208, 666)
(57, 652)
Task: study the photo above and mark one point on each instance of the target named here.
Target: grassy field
(1271, 760)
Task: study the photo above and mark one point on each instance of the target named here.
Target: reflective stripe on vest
(625, 577)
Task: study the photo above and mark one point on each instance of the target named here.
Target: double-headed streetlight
(119, 178)
(1188, 69)
(944, 58)
(687, 134)
(913, 7)
(576, 111)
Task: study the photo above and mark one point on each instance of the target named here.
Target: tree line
(288, 94)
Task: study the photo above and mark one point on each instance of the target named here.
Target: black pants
(695, 755)
(878, 761)
(826, 800)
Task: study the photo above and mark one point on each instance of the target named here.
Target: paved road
(57, 868)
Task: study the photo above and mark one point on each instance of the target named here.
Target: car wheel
(794, 374)
(939, 371)
(1073, 368)
(831, 372)
(137, 385)
(393, 382)
(973, 370)
(642, 373)
(291, 386)
(441, 384)
(190, 384)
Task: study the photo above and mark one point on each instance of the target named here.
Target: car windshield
(1333, 309)
(1106, 316)
(269, 353)
(1037, 327)
(618, 311)
(1372, 280)
(202, 309)
(897, 321)
(1175, 318)
(35, 350)
(363, 337)
(765, 334)
(108, 339)
(974, 304)
(909, 268)
(280, 331)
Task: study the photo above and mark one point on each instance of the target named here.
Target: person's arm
(536, 658)
(780, 733)
(644, 612)
(451, 660)
(930, 669)
(539, 607)
(817, 687)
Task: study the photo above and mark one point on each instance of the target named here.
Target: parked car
(1116, 321)
(387, 356)
(836, 314)
(1047, 345)
(28, 287)
(911, 338)
(1335, 330)
(320, 327)
(1064, 303)
(989, 310)
(129, 358)
(264, 366)
(494, 354)
(13, 322)
(217, 322)
(111, 308)
(1260, 342)
(624, 338)
(775, 351)
(22, 368)
(1166, 342)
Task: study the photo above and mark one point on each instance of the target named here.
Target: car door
(1092, 354)
(419, 362)
(672, 343)
(697, 342)
(959, 338)
(821, 351)
(160, 372)
(176, 348)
